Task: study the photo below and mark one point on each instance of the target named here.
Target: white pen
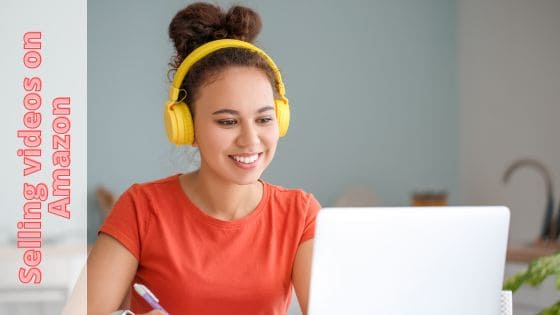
(148, 296)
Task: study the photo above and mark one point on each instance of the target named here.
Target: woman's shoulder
(297, 207)
(287, 195)
(156, 183)
(279, 189)
(153, 187)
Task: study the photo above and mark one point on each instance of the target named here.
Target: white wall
(509, 66)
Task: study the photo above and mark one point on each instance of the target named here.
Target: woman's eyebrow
(264, 109)
(226, 111)
(234, 112)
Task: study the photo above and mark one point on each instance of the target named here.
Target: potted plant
(535, 274)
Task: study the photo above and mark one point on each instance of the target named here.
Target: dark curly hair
(200, 23)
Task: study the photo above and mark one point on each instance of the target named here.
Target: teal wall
(372, 85)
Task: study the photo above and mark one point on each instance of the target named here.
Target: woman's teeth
(245, 159)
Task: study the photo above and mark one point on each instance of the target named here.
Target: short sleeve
(312, 209)
(126, 221)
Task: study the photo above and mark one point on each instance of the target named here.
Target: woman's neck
(221, 199)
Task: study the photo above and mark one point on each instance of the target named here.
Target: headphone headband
(210, 47)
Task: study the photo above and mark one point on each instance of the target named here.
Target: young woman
(218, 240)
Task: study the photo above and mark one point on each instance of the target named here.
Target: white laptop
(413, 260)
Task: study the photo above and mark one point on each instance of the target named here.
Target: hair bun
(243, 23)
(200, 23)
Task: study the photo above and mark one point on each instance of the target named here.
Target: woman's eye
(227, 122)
(264, 120)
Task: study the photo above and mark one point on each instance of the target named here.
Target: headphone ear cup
(178, 123)
(282, 115)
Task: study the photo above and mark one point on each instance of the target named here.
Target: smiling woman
(218, 240)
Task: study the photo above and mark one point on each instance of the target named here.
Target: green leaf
(535, 274)
(513, 283)
(553, 310)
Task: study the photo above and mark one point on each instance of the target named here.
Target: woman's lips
(246, 160)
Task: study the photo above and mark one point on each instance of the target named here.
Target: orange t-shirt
(196, 264)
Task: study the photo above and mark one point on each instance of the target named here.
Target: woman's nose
(248, 135)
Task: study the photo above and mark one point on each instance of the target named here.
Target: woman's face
(235, 125)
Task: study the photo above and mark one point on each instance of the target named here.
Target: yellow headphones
(177, 116)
